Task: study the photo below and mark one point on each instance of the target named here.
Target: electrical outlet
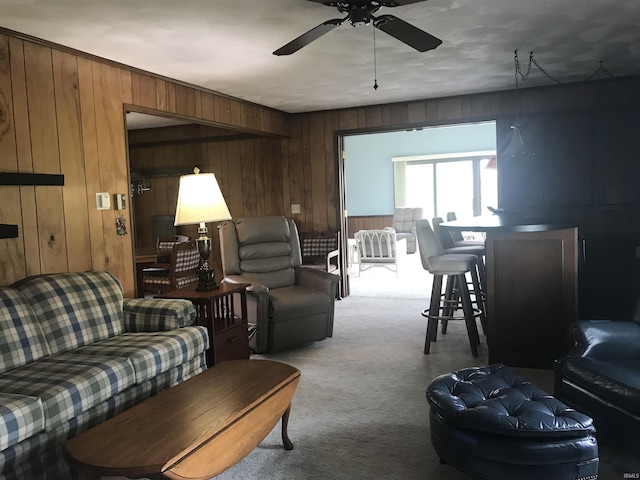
(295, 208)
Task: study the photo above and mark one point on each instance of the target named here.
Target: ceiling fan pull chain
(375, 64)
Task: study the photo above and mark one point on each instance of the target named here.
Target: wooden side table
(228, 332)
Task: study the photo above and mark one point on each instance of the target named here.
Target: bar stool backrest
(428, 243)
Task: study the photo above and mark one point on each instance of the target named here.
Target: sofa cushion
(618, 382)
(75, 309)
(21, 338)
(152, 353)
(154, 315)
(69, 384)
(21, 416)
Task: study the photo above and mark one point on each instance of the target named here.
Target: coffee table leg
(288, 445)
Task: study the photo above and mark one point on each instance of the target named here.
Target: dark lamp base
(206, 281)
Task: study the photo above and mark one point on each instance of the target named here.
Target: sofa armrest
(153, 315)
(606, 339)
(318, 280)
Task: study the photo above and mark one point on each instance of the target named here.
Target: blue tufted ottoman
(492, 424)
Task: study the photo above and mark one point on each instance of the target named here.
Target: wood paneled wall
(62, 111)
(369, 222)
(249, 172)
(314, 135)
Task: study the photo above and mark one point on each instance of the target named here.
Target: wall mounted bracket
(26, 179)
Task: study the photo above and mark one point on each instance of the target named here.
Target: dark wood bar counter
(501, 223)
(532, 287)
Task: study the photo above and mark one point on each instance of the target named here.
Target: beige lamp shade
(200, 200)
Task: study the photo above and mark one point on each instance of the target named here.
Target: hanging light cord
(520, 76)
(375, 63)
(600, 69)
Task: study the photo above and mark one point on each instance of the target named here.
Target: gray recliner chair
(404, 224)
(288, 304)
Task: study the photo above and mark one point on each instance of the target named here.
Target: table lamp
(199, 201)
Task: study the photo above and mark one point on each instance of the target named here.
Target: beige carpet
(360, 410)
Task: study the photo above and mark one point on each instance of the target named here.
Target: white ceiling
(227, 45)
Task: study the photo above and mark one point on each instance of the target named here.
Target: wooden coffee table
(194, 430)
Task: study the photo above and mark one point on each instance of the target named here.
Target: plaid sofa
(74, 352)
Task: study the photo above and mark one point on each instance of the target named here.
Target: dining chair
(165, 243)
(180, 272)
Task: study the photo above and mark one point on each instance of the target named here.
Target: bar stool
(457, 237)
(479, 250)
(455, 267)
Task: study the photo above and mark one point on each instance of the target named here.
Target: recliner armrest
(317, 279)
(256, 287)
(606, 339)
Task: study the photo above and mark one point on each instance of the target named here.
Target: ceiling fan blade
(384, 3)
(399, 3)
(308, 37)
(406, 33)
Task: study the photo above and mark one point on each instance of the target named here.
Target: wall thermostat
(103, 201)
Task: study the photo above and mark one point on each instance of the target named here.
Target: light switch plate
(295, 208)
(103, 201)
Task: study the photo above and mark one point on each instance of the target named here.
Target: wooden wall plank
(45, 150)
(92, 171)
(263, 175)
(206, 99)
(185, 101)
(24, 158)
(65, 71)
(373, 116)
(113, 172)
(12, 262)
(143, 89)
(126, 86)
(161, 94)
(417, 112)
(331, 123)
(247, 175)
(236, 184)
(316, 217)
(306, 212)
(274, 185)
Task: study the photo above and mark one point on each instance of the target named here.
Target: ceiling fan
(361, 12)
